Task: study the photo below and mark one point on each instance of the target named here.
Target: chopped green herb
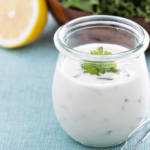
(139, 100)
(109, 132)
(101, 52)
(99, 67)
(126, 100)
(128, 75)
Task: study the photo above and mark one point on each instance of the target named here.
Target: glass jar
(100, 99)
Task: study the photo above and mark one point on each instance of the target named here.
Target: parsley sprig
(99, 67)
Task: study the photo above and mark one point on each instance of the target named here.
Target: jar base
(90, 145)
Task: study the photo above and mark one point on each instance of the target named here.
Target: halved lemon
(21, 21)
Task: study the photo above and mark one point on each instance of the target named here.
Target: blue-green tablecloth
(27, 119)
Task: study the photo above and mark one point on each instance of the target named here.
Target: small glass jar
(100, 99)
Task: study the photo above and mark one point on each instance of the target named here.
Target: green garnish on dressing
(99, 67)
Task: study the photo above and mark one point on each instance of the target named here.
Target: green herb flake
(109, 132)
(126, 100)
(128, 75)
(99, 67)
(139, 100)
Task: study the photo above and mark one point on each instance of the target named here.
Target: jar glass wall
(100, 99)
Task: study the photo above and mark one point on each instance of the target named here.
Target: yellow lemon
(21, 21)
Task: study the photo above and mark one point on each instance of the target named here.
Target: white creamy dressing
(73, 67)
(94, 110)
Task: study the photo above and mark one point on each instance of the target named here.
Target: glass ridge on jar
(101, 110)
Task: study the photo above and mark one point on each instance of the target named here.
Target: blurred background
(27, 64)
(135, 10)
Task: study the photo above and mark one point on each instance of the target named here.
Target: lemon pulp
(21, 21)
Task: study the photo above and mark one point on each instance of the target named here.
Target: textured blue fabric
(27, 119)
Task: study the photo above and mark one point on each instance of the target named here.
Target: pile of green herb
(98, 67)
(124, 8)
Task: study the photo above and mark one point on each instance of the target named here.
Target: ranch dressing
(100, 110)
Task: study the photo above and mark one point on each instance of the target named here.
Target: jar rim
(62, 47)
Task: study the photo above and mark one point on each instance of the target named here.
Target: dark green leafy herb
(124, 8)
(99, 67)
(84, 5)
